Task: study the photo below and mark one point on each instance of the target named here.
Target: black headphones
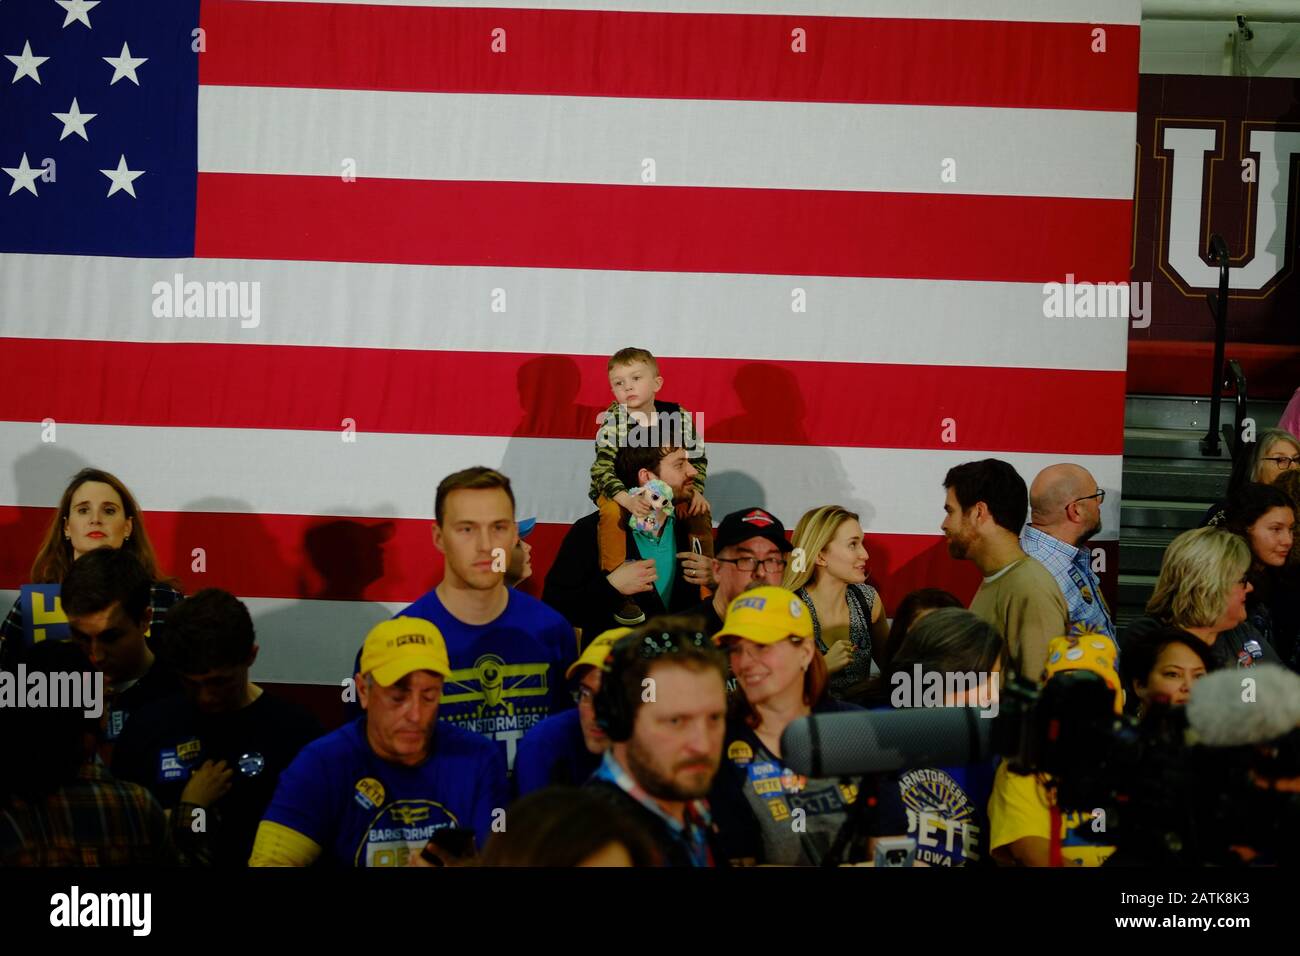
(615, 714)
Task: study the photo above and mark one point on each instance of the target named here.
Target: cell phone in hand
(451, 844)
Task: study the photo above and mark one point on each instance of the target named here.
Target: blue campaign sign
(43, 617)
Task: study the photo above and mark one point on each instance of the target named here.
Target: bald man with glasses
(1065, 513)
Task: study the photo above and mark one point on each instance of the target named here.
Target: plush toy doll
(660, 496)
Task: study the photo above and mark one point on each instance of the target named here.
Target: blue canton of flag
(98, 126)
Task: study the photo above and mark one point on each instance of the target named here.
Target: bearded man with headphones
(663, 704)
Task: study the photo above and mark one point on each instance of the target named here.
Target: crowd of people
(635, 713)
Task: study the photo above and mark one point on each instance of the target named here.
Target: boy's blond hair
(629, 355)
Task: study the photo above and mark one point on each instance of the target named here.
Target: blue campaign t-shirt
(554, 752)
(948, 812)
(365, 811)
(507, 675)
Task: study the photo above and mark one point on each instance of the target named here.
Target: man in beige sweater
(985, 509)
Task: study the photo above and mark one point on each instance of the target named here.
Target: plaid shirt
(93, 821)
(163, 597)
(1072, 569)
(613, 435)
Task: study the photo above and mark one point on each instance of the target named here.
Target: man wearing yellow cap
(566, 748)
(373, 792)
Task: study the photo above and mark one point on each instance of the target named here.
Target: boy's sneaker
(630, 615)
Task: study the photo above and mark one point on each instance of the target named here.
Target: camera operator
(1023, 807)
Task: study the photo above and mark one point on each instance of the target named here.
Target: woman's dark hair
(43, 748)
(951, 640)
(924, 599)
(562, 826)
(1141, 653)
(1250, 503)
(207, 631)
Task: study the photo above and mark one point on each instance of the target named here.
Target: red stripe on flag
(662, 228)
(828, 404)
(672, 55)
(371, 559)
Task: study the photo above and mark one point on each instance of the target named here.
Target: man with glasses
(1064, 514)
(663, 705)
(566, 748)
(749, 550)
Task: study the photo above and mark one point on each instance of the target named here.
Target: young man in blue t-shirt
(375, 791)
(508, 650)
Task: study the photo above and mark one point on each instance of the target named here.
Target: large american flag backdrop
(832, 220)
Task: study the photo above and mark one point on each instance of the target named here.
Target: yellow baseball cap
(597, 650)
(1087, 651)
(402, 645)
(766, 615)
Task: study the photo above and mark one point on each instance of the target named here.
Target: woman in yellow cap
(766, 812)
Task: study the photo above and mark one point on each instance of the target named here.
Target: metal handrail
(1219, 308)
(1234, 376)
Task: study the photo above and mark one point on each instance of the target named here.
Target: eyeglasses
(583, 695)
(1100, 496)
(1284, 462)
(750, 565)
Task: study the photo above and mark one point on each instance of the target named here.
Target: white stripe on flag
(575, 139)
(563, 311)
(896, 491)
(1029, 11)
(302, 641)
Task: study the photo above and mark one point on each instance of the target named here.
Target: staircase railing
(1219, 309)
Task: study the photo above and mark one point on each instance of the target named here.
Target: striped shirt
(93, 821)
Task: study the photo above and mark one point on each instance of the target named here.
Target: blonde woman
(831, 579)
(1202, 589)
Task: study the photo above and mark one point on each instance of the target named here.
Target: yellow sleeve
(1017, 808)
(278, 845)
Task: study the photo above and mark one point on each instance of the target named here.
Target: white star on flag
(74, 121)
(77, 10)
(122, 177)
(26, 63)
(125, 65)
(24, 177)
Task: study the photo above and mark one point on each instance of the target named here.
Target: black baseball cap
(751, 523)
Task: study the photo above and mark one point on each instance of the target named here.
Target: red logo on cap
(760, 518)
